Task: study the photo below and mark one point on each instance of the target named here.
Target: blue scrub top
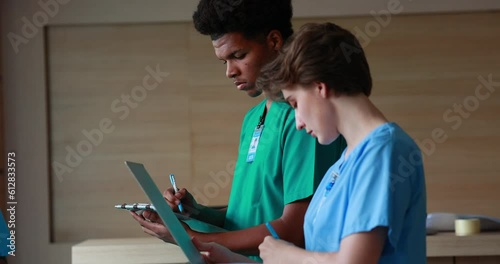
(381, 183)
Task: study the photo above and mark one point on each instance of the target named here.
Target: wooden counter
(127, 250)
(441, 248)
(447, 244)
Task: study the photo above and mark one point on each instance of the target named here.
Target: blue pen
(172, 180)
(272, 231)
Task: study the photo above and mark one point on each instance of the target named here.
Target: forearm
(358, 248)
(247, 241)
(244, 241)
(298, 255)
(209, 215)
(289, 227)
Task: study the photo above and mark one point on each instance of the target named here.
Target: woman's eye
(224, 62)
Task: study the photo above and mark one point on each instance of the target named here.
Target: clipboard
(165, 212)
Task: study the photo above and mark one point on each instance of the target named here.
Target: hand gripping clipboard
(165, 212)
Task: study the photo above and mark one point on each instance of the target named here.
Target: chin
(322, 142)
(254, 92)
(327, 141)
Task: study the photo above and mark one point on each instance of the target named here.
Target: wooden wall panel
(478, 260)
(422, 65)
(91, 69)
(443, 260)
(189, 125)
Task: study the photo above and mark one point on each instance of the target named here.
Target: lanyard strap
(254, 143)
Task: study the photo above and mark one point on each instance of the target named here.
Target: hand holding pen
(174, 185)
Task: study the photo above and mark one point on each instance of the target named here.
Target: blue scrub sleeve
(374, 201)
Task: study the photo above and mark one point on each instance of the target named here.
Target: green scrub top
(288, 166)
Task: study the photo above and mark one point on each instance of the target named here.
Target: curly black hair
(253, 18)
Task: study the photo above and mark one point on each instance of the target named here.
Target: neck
(268, 100)
(268, 103)
(358, 118)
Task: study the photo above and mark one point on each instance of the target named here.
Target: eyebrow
(231, 55)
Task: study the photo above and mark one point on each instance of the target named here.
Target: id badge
(254, 143)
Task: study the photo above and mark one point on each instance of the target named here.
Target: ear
(274, 40)
(322, 89)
